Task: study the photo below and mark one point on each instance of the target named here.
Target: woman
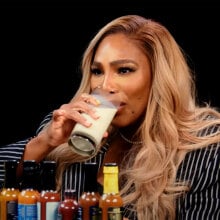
(166, 145)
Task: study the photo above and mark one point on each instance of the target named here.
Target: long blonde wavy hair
(171, 124)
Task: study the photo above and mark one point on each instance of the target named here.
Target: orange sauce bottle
(90, 197)
(111, 203)
(29, 195)
(9, 193)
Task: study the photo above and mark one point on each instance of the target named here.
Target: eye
(123, 70)
(96, 71)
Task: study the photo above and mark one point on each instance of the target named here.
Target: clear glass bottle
(9, 193)
(111, 202)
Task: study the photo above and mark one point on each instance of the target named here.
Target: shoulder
(214, 127)
(200, 164)
(201, 170)
(201, 167)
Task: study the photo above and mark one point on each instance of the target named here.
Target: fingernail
(88, 124)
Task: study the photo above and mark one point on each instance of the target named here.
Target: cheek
(141, 100)
(142, 103)
(138, 106)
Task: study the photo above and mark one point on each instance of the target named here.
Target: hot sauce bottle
(28, 197)
(49, 199)
(9, 193)
(89, 199)
(68, 208)
(111, 202)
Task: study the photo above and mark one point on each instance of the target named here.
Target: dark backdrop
(42, 45)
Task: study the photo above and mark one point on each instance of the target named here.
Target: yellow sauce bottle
(111, 203)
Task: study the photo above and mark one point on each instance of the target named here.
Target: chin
(120, 122)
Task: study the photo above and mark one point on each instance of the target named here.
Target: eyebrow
(116, 62)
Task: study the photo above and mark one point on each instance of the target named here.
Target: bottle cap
(110, 168)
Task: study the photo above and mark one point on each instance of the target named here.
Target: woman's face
(120, 66)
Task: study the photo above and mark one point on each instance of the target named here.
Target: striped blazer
(200, 167)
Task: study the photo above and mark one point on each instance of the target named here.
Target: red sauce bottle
(49, 198)
(68, 208)
(89, 199)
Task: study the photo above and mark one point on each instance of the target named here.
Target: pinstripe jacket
(200, 167)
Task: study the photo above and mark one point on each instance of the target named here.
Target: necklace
(129, 141)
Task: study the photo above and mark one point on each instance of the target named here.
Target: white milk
(84, 140)
(96, 131)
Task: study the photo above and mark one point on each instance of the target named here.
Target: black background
(42, 44)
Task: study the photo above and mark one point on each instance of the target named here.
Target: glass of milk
(84, 140)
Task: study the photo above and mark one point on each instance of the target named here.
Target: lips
(121, 106)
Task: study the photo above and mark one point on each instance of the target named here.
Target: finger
(81, 107)
(74, 114)
(90, 99)
(105, 134)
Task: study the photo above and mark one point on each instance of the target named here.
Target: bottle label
(59, 216)
(79, 215)
(115, 213)
(95, 213)
(51, 210)
(27, 212)
(11, 210)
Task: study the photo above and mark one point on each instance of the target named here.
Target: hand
(64, 119)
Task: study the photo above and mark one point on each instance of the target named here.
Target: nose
(109, 84)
